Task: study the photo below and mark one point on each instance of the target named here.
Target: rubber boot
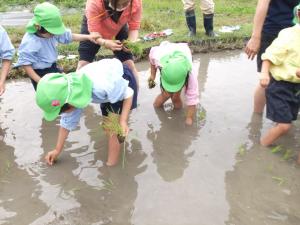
(191, 22)
(208, 22)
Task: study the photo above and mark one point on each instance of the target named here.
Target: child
(106, 82)
(280, 76)
(7, 52)
(174, 60)
(38, 49)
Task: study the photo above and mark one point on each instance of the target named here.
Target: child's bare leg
(113, 150)
(176, 100)
(161, 99)
(274, 133)
(259, 99)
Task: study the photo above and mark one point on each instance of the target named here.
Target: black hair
(42, 30)
(64, 108)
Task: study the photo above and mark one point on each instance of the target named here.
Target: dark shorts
(266, 41)
(283, 101)
(43, 72)
(88, 50)
(117, 107)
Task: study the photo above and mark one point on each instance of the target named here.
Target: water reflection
(171, 143)
(257, 168)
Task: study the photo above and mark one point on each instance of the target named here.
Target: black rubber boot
(191, 22)
(208, 22)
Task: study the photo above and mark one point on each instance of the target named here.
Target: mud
(212, 173)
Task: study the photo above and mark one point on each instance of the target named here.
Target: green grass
(159, 15)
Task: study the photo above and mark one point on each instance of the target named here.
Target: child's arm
(62, 136)
(4, 73)
(264, 74)
(190, 112)
(151, 79)
(86, 37)
(31, 73)
(125, 114)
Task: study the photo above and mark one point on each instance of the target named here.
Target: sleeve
(278, 50)
(192, 90)
(28, 51)
(70, 120)
(152, 59)
(128, 93)
(135, 20)
(65, 38)
(118, 91)
(7, 50)
(94, 9)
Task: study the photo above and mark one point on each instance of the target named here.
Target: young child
(174, 60)
(38, 49)
(7, 52)
(106, 82)
(280, 76)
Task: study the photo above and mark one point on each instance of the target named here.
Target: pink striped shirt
(99, 20)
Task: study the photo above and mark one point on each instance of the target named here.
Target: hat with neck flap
(56, 89)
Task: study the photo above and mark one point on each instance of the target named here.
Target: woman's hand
(114, 45)
(125, 128)
(252, 47)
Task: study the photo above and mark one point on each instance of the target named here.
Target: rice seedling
(288, 154)
(276, 149)
(242, 150)
(280, 180)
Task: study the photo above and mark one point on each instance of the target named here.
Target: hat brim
(56, 30)
(50, 116)
(172, 88)
(31, 28)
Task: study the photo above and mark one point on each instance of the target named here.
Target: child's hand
(51, 157)
(264, 79)
(93, 37)
(125, 128)
(151, 83)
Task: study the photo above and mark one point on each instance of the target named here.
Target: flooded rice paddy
(212, 173)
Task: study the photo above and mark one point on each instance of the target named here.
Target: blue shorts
(43, 72)
(117, 107)
(283, 101)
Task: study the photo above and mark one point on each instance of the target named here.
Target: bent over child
(38, 49)
(280, 76)
(7, 52)
(177, 72)
(106, 82)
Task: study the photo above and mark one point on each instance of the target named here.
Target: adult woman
(115, 21)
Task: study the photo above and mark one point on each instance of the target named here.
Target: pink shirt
(99, 21)
(157, 52)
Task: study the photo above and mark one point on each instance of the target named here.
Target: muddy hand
(151, 83)
(51, 157)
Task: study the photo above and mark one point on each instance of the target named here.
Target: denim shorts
(88, 50)
(283, 101)
(117, 107)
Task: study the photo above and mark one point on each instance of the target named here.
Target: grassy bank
(159, 15)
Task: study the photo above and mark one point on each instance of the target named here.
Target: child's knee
(284, 127)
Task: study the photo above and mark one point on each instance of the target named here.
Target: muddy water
(210, 174)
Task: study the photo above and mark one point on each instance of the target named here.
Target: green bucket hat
(47, 16)
(296, 18)
(56, 89)
(175, 68)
